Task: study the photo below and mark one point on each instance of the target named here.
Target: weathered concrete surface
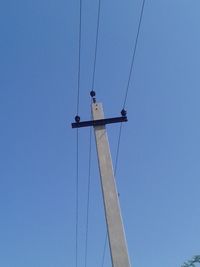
(117, 241)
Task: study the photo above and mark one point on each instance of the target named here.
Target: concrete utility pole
(116, 235)
(117, 241)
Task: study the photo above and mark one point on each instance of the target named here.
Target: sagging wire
(124, 104)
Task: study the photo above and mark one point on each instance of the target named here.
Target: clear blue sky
(159, 165)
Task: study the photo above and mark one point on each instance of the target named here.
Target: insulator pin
(77, 119)
(92, 93)
(123, 112)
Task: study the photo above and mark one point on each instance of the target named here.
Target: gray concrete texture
(116, 235)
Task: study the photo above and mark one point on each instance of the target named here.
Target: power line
(118, 148)
(77, 191)
(77, 136)
(134, 52)
(78, 96)
(88, 196)
(90, 138)
(125, 99)
(104, 249)
(96, 45)
(79, 56)
(115, 173)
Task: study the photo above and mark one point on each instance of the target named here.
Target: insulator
(92, 93)
(123, 112)
(77, 119)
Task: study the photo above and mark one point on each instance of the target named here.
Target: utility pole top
(115, 229)
(98, 122)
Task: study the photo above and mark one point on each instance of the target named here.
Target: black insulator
(123, 112)
(92, 93)
(77, 119)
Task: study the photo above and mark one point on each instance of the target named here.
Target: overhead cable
(115, 173)
(124, 104)
(90, 145)
(96, 44)
(104, 249)
(79, 56)
(77, 136)
(90, 141)
(77, 196)
(88, 196)
(118, 148)
(134, 53)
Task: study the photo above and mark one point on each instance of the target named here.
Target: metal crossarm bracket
(99, 122)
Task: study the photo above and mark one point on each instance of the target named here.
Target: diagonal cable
(77, 193)
(115, 173)
(125, 99)
(90, 141)
(77, 138)
(79, 56)
(88, 196)
(96, 44)
(134, 53)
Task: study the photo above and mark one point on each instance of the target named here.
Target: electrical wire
(88, 196)
(118, 149)
(78, 96)
(134, 53)
(96, 45)
(77, 136)
(115, 173)
(79, 56)
(90, 138)
(77, 193)
(104, 249)
(90, 145)
(124, 104)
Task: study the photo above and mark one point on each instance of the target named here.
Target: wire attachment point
(123, 112)
(93, 94)
(77, 119)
